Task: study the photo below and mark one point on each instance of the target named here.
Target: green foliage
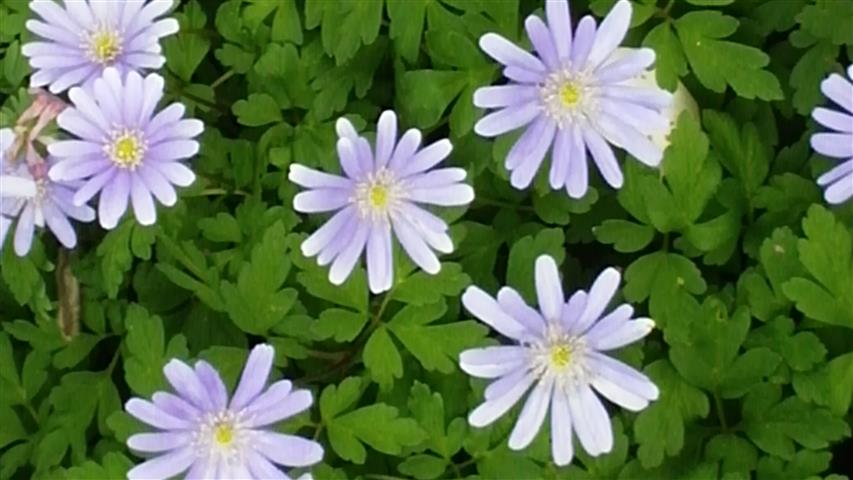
(727, 246)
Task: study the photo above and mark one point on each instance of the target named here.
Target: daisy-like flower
(558, 353)
(380, 196)
(43, 203)
(839, 143)
(202, 433)
(575, 96)
(124, 150)
(77, 43)
(11, 186)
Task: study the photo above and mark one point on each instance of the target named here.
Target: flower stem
(223, 78)
(718, 403)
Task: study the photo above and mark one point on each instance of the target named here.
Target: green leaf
(829, 19)
(15, 66)
(113, 465)
(12, 430)
(407, 25)
(342, 325)
(428, 409)
(827, 254)
(718, 63)
(378, 426)
(705, 351)
(118, 249)
(625, 236)
(147, 351)
(670, 62)
(382, 358)
(801, 351)
(774, 427)
(424, 95)
(660, 428)
(185, 51)
(259, 109)
(258, 302)
(435, 346)
(345, 25)
(422, 288)
(740, 150)
(831, 385)
(692, 176)
(658, 276)
(806, 76)
(522, 258)
(736, 454)
(423, 467)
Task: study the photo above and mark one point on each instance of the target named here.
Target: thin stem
(223, 78)
(718, 403)
(212, 192)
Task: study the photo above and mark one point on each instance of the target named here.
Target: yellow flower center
(104, 46)
(569, 95)
(127, 149)
(561, 356)
(223, 434)
(378, 196)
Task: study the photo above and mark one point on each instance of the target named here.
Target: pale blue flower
(839, 143)
(75, 44)
(575, 95)
(380, 196)
(30, 197)
(558, 351)
(201, 432)
(125, 151)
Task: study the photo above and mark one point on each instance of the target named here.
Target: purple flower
(576, 95)
(560, 351)
(380, 195)
(26, 193)
(79, 42)
(200, 430)
(125, 151)
(839, 144)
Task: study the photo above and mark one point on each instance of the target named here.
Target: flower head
(576, 96)
(839, 143)
(200, 430)
(379, 195)
(77, 43)
(558, 353)
(124, 150)
(28, 195)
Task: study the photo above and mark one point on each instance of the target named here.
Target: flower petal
(507, 119)
(164, 466)
(590, 420)
(488, 311)
(254, 377)
(508, 53)
(492, 409)
(549, 288)
(288, 450)
(532, 415)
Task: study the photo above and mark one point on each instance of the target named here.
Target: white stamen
(126, 148)
(567, 96)
(103, 44)
(561, 355)
(377, 195)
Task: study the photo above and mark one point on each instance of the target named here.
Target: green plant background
(728, 247)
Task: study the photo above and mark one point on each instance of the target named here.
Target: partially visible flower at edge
(574, 97)
(839, 143)
(125, 151)
(26, 192)
(559, 349)
(75, 44)
(201, 432)
(378, 198)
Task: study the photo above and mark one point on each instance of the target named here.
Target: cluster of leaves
(727, 247)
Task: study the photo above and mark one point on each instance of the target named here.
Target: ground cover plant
(428, 239)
